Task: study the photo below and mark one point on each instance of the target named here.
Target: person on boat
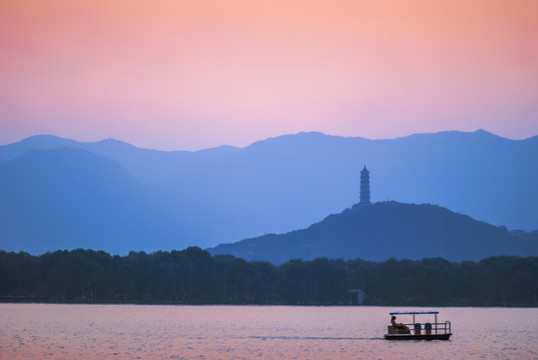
(401, 327)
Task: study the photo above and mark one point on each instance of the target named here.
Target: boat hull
(417, 337)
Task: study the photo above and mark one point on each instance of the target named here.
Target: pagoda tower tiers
(365, 187)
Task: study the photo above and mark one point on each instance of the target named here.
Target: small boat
(418, 330)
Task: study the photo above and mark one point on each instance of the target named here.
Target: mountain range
(110, 195)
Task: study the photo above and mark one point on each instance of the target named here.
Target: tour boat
(416, 330)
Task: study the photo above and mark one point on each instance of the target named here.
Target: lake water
(42, 331)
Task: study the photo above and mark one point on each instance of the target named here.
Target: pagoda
(365, 187)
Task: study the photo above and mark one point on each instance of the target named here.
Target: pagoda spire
(365, 187)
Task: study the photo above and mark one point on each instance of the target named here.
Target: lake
(48, 331)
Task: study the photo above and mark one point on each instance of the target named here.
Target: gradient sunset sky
(187, 75)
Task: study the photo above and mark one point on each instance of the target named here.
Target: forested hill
(193, 276)
(389, 229)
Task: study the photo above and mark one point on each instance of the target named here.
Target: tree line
(193, 276)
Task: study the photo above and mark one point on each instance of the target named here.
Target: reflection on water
(42, 331)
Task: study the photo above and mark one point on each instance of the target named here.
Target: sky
(187, 75)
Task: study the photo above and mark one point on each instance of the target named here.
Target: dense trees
(193, 276)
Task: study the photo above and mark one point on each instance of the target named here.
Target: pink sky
(195, 74)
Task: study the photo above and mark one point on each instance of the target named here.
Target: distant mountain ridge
(142, 163)
(383, 230)
(66, 198)
(280, 184)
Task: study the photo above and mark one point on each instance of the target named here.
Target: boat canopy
(414, 312)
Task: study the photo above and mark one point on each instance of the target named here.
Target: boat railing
(436, 328)
(448, 327)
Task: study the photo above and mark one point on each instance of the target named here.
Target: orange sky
(194, 74)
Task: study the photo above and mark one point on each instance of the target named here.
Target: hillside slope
(384, 230)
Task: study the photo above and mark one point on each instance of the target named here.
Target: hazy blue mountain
(280, 184)
(384, 230)
(67, 198)
(148, 166)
